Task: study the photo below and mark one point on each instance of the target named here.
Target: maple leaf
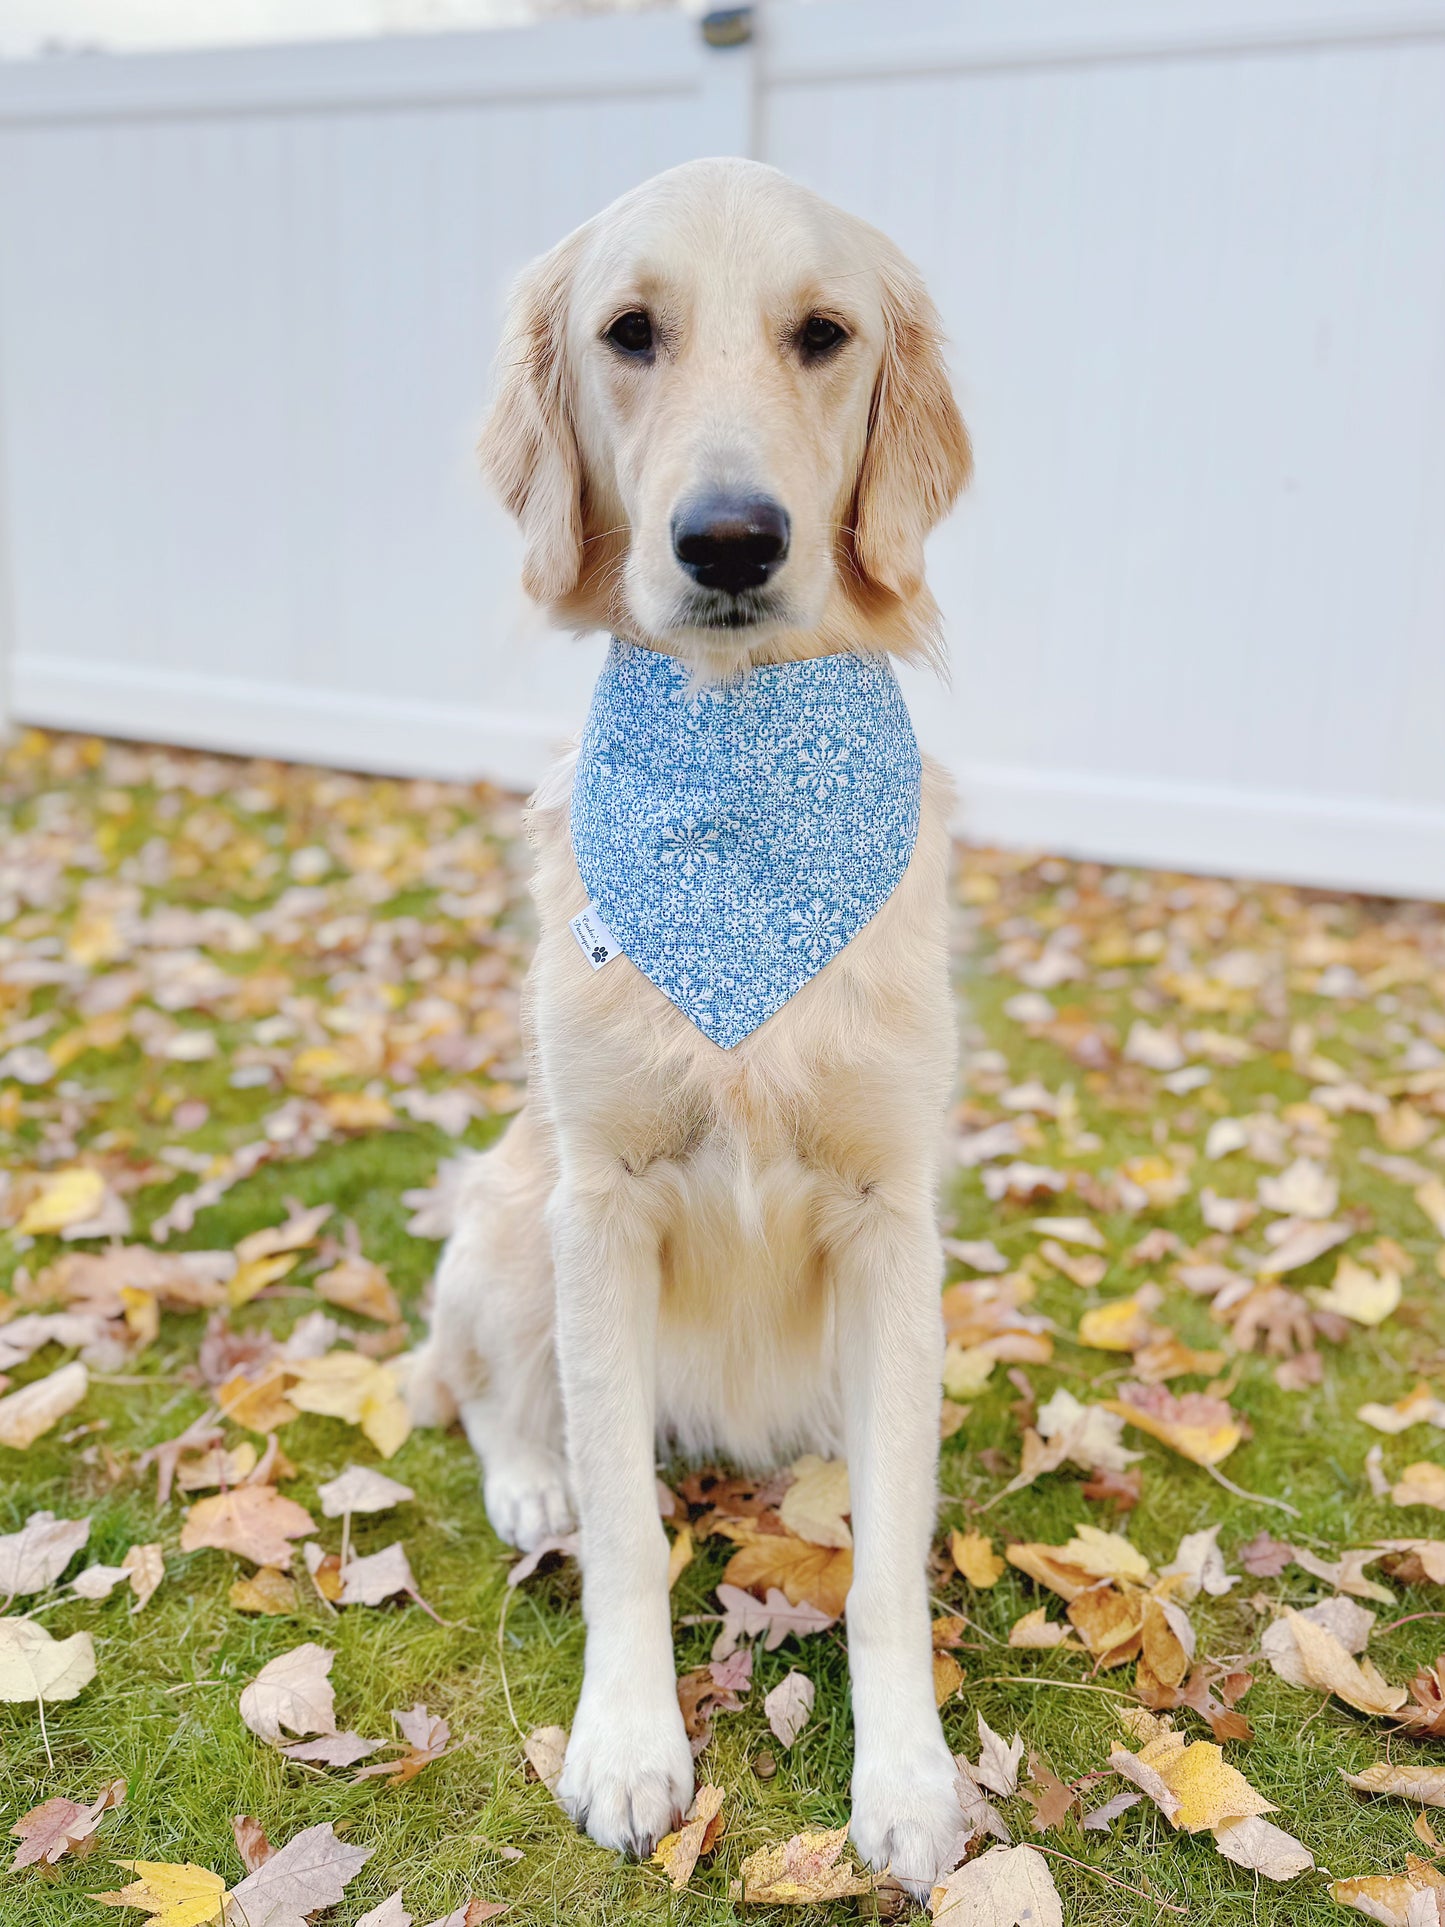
(37, 1408)
(678, 1853)
(379, 1576)
(35, 1557)
(1195, 1425)
(174, 1896)
(1330, 1669)
(998, 1765)
(975, 1558)
(804, 1871)
(1398, 1900)
(819, 1575)
(390, 1913)
(60, 1826)
(291, 1691)
(361, 1489)
(36, 1666)
(255, 1520)
(309, 1873)
(349, 1386)
(64, 1198)
(358, 1285)
(427, 1737)
(1007, 1887)
(1261, 1847)
(267, 1591)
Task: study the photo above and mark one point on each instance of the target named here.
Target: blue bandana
(733, 839)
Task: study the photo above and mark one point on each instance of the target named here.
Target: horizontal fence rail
(1191, 257)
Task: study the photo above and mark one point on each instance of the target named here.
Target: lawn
(266, 985)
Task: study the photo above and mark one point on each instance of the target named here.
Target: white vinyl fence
(1191, 254)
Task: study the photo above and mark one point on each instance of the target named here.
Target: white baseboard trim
(1350, 843)
(1335, 842)
(242, 717)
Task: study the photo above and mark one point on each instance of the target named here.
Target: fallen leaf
(1330, 1669)
(678, 1853)
(680, 1555)
(975, 1558)
(998, 1765)
(332, 1749)
(252, 1275)
(1419, 1407)
(1421, 1484)
(1431, 1199)
(358, 1285)
(1303, 1190)
(1037, 1632)
(1398, 1900)
(1199, 1566)
(427, 1738)
(309, 1873)
(36, 1666)
(59, 1826)
(804, 1871)
(31, 1412)
(546, 1751)
(251, 1841)
(774, 1618)
(1424, 1785)
(819, 1575)
(35, 1556)
(174, 1896)
(350, 1386)
(1261, 1847)
(1349, 1624)
(147, 1568)
(1195, 1425)
(1051, 1798)
(390, 1913)
(65, 1198)
(1103, 1817)
(361, 1489)
(267, 1591)
(816, 1504)
(471, 1913)
(1364, 1297)
(1005, 1887)
(788, 1706)
(381, 1575)
(255, 1521)
(291, 1691)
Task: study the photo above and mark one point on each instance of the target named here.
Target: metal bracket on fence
(728, 27)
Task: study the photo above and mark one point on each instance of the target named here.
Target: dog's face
(724, 417)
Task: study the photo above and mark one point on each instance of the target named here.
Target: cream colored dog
(725, 427)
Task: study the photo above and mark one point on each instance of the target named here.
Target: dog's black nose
(730, 542)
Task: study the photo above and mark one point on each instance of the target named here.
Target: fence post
(729, 79)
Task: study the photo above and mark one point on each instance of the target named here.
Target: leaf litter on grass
(1196, 1225)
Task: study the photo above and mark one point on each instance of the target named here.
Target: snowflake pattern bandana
(734, 838)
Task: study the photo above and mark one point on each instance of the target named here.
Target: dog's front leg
(628, 1776)
(887, 1268)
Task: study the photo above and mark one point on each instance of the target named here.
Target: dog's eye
(820, 336)
(632, 333)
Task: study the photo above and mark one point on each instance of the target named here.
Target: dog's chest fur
(748, 1162)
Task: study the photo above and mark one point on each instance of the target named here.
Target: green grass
(162, 1711)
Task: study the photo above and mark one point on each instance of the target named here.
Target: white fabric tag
(595, 940)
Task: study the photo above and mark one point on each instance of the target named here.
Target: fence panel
(1191, 255)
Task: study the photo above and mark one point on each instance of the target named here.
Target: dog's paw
(628, 1777)
(528, 1499)
(907, 1817)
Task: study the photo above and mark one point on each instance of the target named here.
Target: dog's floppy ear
(917, 458)
(529, 445)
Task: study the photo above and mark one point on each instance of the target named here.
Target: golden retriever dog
(725, 426)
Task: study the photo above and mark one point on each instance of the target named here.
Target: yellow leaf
(1108, 1555)
(804, 1871)
(678, 1853)
(267, 1591)
(356, 1284)
(254, 1274)
(947, 1677)
(1387, 1897)
(66, 1197)
(1366, 1297)
(966, 1370)
(1430, 1197)
(350, 1386)
(1121, 1326)
(260, 1407)
(357, 1111)
(815, 1504)
(1196, 1426)
(976, 1559)
(1328, 1667)
(679, 1556)
(1208, 1788)
(1421, 1484)
(821, 1575)
(184, 1896)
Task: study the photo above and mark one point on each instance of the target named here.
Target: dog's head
(723, 416)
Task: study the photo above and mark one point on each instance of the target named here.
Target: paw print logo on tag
(594, 939)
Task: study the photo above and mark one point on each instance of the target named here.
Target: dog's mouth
(715, 609)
